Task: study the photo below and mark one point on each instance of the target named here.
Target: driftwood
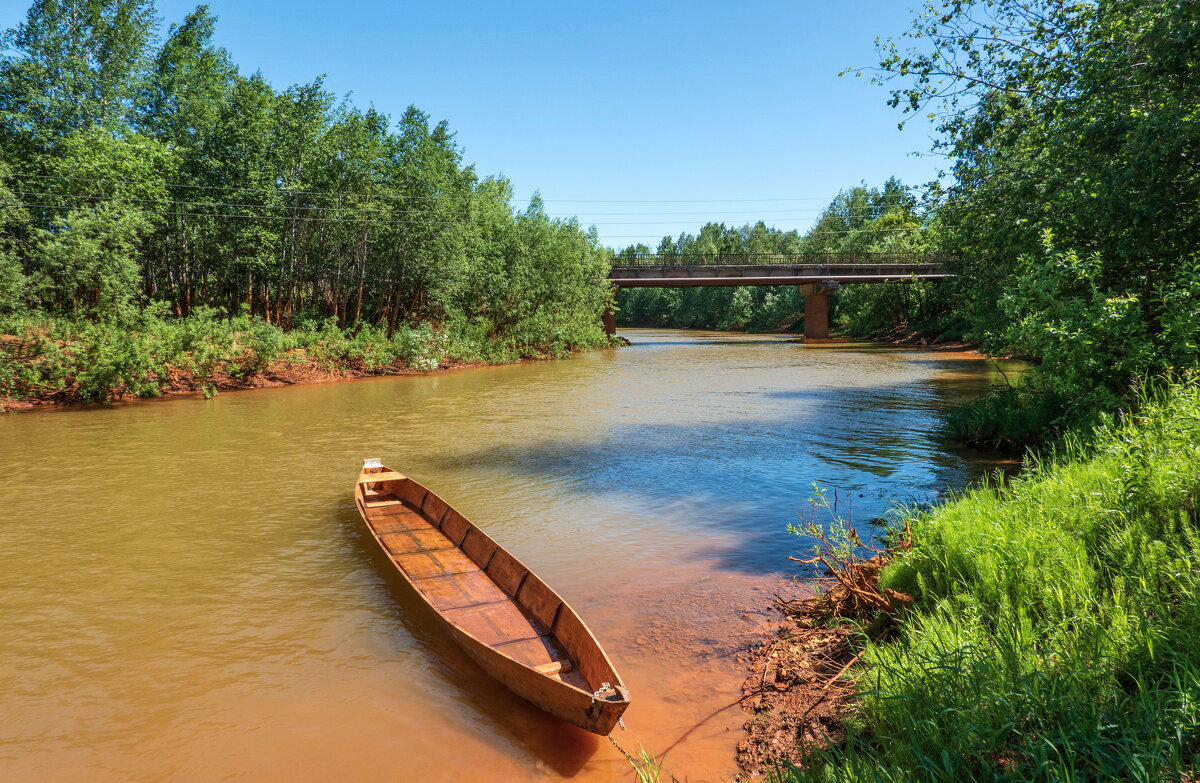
(857, 580)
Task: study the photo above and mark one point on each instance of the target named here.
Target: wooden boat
(518, 629)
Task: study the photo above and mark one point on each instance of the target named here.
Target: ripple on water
(187, 596)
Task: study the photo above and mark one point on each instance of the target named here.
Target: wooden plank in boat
(494, 623)
(458, 590)
(539, 600)
(478, 546)
(507, 571)
(387, 475)
(454, 525)
(414, 541)
(436, 562)
(573, 635)
(410, 492)
(554, 667)
(533, 652)
(433, 508)
(400, 521)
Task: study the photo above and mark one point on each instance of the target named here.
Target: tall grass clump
(1055, 631)
(1011, 418)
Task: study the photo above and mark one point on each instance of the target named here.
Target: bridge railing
(775, 259)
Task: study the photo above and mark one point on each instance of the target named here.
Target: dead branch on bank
(798, 689)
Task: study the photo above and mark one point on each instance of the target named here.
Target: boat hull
(502, 615)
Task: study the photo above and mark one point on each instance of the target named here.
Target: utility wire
(298, 218)
(442, 196)
(873, 213)
(234, 216)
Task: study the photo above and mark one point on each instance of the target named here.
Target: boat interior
(475, 584)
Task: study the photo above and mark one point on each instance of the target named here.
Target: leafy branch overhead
(1078, 121)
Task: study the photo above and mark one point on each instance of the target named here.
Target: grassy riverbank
(1054, 632)
(142, 353)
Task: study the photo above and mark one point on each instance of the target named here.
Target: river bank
(900, 336)
(294, 368)
(244, 366)
(51, 363)
(1040, 628)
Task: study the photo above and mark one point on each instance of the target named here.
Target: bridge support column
(816, 309)
(609, 318)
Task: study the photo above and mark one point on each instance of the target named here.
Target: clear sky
(730, 110)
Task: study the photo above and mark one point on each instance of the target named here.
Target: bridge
(816, 275)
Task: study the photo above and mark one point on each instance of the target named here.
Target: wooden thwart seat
(554, 667)
(387, 475)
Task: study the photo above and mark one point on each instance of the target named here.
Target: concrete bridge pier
(816, 308)
(609, 318)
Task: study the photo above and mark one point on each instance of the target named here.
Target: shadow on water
(875, 446)
(559, 745)
(718, 338)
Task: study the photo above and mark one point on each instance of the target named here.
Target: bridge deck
(728, 280)
(671, 276)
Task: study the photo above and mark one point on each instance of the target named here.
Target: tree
(77, 63)
(1081, 119)
(13, 282)
(88, 257)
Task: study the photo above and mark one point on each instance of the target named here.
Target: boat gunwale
(618, 687)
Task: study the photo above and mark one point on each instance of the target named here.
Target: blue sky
(722, 109)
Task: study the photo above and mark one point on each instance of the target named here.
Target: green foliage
(161, 174)
(1011, 418)
(142, 352)
(1056, 629)
(1072, 129)
(1061, 310)
(77, 65)
(13, 283)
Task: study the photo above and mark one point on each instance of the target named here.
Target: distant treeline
(861, 219)
(142, 167)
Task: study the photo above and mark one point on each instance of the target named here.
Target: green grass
(1056, 630)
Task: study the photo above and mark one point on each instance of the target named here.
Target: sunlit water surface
(185, 594)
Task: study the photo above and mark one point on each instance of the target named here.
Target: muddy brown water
(185, 594)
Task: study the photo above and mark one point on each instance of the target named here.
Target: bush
(134, 351)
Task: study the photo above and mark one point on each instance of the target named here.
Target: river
(186, 595)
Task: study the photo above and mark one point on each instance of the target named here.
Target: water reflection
(187, 595)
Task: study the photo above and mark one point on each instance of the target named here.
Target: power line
(244, 188)
(299, 218)
(230, 216)
(872, 213)
(684, 200)
(279, 190)
(814, 233)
